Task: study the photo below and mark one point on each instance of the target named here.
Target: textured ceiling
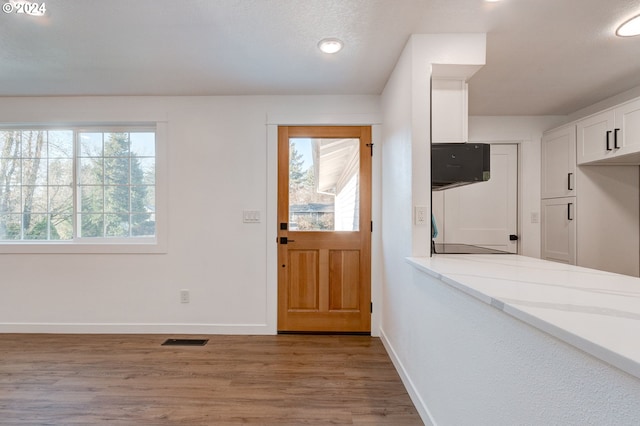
(543, 56)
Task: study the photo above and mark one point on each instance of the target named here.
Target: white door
(484, 214)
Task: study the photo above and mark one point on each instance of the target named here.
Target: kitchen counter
(595, 311)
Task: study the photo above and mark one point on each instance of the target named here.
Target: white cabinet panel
(449, 110)
(559, 163)
(558, 218)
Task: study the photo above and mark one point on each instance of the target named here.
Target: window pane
(91, 225)
(34, 172)
(143, 144)
(91, 199)
(61, 227)
(34, 199)
(143, 225)
(323, 184)
(61, 172)
(91, 171)
(116, 171)
(10, 144)
(11, 201)
(60, 200)
(139, 199)
(60, 143)
(33, 144)
(91, 145)
(10, 171)
(143, 199)
(116, 199)
(10, 225)
(116, 144)
(35, 226)
(116, 225)
(143, 171)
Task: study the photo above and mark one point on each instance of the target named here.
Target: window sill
(117, 247)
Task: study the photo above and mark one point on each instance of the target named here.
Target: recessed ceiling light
(330, 45)
(630, 28)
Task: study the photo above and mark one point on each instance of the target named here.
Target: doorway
(483, 214)
(324, 229)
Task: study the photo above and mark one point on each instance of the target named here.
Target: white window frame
(88, 245)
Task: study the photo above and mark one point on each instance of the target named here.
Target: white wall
(406, 183)
(527, 133)
(219, 165)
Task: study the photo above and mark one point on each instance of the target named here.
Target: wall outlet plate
(421, 215)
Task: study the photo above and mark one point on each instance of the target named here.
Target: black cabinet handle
(608, 137)
(615, 138)
(569, 186)
(569, 215)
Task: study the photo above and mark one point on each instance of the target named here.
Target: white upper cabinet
(449, 110)
(610, 137)
(559, 163)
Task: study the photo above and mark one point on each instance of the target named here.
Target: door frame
(271, 217)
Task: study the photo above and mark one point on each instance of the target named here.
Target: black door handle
(615, 138)
(513, 237)
(608, 137)
(569, 186)
(569, 215)
(285, 240)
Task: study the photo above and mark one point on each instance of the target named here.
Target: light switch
(251, 216)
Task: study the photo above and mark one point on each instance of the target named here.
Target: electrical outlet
(184, 296)
(421, 215)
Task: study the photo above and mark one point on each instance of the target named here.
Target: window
(94, 185)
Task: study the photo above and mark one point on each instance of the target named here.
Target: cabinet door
(559, 229)
(449, 110)
(627, 121)
(559, 162)
(592, 134)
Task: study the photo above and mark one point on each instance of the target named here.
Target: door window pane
(324, 190)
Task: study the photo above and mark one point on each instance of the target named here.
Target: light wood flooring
(56, 379)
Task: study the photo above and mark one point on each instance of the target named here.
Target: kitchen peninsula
(520, 340)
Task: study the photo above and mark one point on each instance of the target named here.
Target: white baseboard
(417, 400)
(118, 328)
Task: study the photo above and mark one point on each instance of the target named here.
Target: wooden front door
(324, 229)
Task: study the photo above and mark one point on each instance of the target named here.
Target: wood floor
(260, 380)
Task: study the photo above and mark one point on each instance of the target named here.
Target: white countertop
(595, 311)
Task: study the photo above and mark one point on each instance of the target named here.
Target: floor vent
(185, 342)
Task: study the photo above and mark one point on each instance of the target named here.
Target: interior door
(324, 229)
(484, 214)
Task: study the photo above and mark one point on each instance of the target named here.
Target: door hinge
(371, 226)
(371, 307)
(370, 145)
